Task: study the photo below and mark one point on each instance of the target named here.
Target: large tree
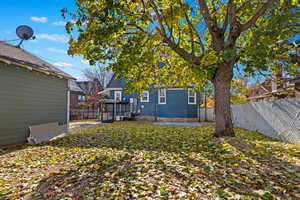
(197, 40)
(99, 73)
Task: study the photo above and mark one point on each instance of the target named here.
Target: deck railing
(82, 114)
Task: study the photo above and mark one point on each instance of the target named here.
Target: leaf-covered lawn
(132, 160)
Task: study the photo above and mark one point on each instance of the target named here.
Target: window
(191, 96)
(162, 97)
(81, 98)
(145, 96)
(118, 95)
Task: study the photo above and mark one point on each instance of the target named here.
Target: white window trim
(147, 95)
(159, 96)
(116, 92)
(195, 96)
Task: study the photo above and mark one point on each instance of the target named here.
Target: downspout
(68, 103)
(205, 107)
(156, 107)
(115, 111)
(198, 106)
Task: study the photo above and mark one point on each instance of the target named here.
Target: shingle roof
(21, 56)
(75, 88)
(114, 83)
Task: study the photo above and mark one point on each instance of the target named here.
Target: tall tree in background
(98, 73)
(197, 40)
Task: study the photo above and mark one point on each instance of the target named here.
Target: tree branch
(212, 25)
(259, 13)
(228, 15)
(206, 15)
(191, 32)
(181, 52)
(179, 37)
(242, 6)
(138, 27)
(171, 30)
(192, 28)
(159, 19)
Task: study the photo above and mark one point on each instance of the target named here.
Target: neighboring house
(270, 90)
(77, 96)
(32, 92)
(170, 104)
(85, 99)
(259, 91)
(91, 90)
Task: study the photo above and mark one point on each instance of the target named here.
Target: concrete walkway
(178, 123)
(73, 125)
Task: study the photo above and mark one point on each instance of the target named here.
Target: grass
(132, 160)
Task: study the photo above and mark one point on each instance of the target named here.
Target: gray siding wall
(29, 98)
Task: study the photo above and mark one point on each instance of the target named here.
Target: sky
(43, 16)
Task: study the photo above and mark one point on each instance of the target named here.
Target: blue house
(155, 104)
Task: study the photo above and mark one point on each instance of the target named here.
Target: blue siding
(176, 107)
(149, 108)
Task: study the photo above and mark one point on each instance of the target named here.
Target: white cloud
(39, 19)
(59, 23)
(53, 37)
(59, 51)
(7, 32)
(62, 64)
(86, 62)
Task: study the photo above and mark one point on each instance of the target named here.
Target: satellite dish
(24, 33)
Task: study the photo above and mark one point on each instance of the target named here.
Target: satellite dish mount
(24, 33)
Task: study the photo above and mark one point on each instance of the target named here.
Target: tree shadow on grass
(123, 178)
(254, 171)
(181, 158)
(84, 179)
(12, 148)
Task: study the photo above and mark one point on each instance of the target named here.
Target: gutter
(103, 91)
(108, 89)
(35, 69)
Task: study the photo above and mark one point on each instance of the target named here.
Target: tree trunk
(222, 84)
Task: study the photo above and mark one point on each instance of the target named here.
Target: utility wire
(53, 61)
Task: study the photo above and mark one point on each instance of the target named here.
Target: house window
(81, 98)
(191, 96)
(145, 96)
(162, 97)
(118, 95)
